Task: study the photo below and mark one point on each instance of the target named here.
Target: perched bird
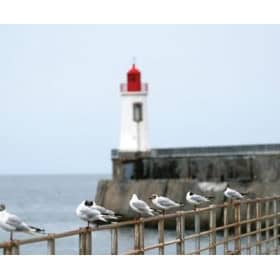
(232, 194)
(88, 214)
(164, 203)
(11, 223)
(195, 199)
(140, 206)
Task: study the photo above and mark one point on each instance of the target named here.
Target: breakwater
(253, 169)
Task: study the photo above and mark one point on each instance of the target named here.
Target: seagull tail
(244, 193)
(102, 218)
(157, 211)
(111, 217)
(118, 215)
(36, 230)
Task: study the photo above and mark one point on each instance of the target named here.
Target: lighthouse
(134, 122)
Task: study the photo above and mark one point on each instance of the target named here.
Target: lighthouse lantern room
(133, 137)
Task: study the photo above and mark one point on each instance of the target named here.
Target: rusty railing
(242, 227)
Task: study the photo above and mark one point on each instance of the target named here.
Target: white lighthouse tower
(134, 122)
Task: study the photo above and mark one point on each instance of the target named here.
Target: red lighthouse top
(133, 79)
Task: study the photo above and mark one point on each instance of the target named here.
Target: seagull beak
(151, 197)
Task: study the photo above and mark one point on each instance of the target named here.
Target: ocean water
(47, 201)
(50, 201)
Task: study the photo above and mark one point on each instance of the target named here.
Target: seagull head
(153, 196)
(227, 186)
(2, 207)
(88, 203)
(189, 194)
(134, 197)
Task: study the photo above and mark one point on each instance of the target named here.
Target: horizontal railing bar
(260, 242)
(192, 236)
(156, 246)
(151, 247)
(232, 239)
(200, 250)
(243, 235)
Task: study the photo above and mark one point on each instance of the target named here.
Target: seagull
(195, 199)
(140, 206)
(164, 203)
(88, 214)
(232, 194)
(11, 223)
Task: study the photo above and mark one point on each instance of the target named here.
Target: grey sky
(60, 100)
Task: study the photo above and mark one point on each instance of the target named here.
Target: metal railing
(247, 227)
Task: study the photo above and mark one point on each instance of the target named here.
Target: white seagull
(88, 214)
(140, 206)
(232, 194)
(11, 223)
(195, 199)
(164, 203)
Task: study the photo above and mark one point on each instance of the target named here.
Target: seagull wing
(199, 198)
(166, 202)
(141, 205)
(234, 193)
(103, 210)
(13, 220)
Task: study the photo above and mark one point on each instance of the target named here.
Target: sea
(50, 201)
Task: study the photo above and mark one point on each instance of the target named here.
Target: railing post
(267, 212)
(275, 226)
(114, 241)
(137, 236)
(88, 242)
(212, 226)
(7, 251)
(180, 229)
(226, 229)
(197, 231)
(237, 229)
(258, 228)
(82, 243)
(161, 236)
(15, 249)
(248, 228)
(141, 236)
(51, 245)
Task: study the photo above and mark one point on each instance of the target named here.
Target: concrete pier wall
(173, 172)
(116, 195)
(229, 163)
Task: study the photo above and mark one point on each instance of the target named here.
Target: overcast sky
(60, 100)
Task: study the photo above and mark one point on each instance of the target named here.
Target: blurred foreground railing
(247, 227)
